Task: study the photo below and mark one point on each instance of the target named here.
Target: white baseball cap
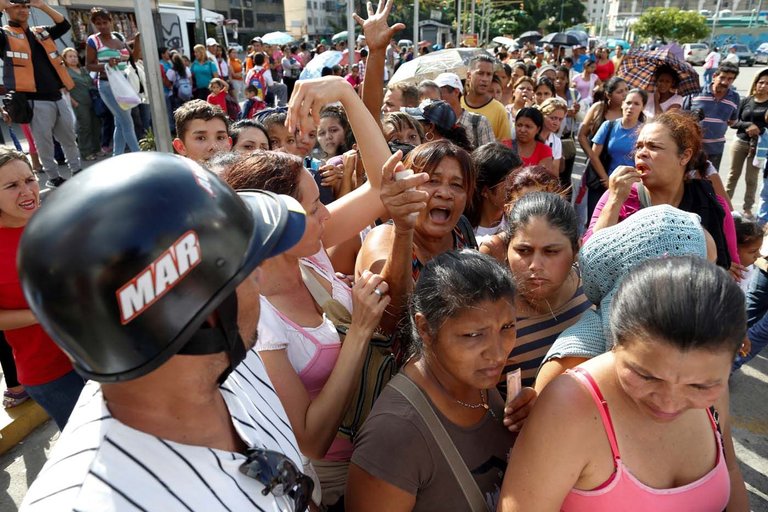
(210, 42)
(450, 80)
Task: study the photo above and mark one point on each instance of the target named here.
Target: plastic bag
(123, 91)
(133, 78)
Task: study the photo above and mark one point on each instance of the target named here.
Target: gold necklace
(483, 399)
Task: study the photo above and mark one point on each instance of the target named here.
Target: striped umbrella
(639, 66)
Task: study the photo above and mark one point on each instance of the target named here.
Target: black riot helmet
(124, 263)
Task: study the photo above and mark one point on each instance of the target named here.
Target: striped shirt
(101, 464)
(537, 333)
(717, 114)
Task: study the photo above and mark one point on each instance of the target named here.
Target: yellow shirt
(496, 114)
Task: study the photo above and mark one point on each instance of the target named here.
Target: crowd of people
(348, 293)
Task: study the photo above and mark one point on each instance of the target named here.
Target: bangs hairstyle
(452, 282)
(197, 109)
(427, 158)
(337, 112)
(394, 122)
(682, 301)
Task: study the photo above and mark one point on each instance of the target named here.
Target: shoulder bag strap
(467, 484)
(642, 194)
(317, 290)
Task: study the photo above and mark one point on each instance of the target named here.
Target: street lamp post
(458, 25)
(154, 84)
(714, 24)
(415, 22)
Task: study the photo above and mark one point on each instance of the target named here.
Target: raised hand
(400, 197)
(376, 30)
(309, 96)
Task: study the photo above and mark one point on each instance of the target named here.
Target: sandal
(14, 398)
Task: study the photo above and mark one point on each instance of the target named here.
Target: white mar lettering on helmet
(134, 297)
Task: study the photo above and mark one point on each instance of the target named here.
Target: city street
(19, 467)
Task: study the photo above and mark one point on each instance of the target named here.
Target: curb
(18, 422)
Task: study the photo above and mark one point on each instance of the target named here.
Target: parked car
(695, 53)
(761, 54)
(746, 57)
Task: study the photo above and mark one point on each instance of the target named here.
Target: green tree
(670, 23)
(510, 22)
(565, 13)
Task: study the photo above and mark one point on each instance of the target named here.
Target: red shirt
(219, 99)
(604, 71)
(38, 359)
(540, 152)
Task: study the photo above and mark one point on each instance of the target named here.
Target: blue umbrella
(612, 43)
(314, 68)
(277, 38)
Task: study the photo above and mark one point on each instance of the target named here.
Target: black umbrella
(528, 37)
(559, 39)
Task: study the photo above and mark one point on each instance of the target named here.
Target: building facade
(314, 19)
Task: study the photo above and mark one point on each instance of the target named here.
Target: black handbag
(18, 107)
(592, 179)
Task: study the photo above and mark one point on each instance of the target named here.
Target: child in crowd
(333, 134)
(749, 240)
(202, 130)
(218, 96)
(253, 104)
(301, 145)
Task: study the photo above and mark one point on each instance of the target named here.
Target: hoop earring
(429, 136)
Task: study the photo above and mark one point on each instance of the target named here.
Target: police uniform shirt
(101, 464)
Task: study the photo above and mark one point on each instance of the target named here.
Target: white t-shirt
(101, 464)
(554, 142)
(732, 58)
(267, 76)
(171, 75)
(484, 234)
(712, 60)
(276, 334)
(650, 106)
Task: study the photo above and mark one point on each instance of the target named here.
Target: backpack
(252, 107)
(182, 88)
(233, 108)
(258, 81)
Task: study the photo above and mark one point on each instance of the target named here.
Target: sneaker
(55, 182)
(91, 158)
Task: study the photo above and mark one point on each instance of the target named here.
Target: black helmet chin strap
(224, 337)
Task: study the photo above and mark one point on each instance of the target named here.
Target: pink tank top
(315, 375)
(622, 491)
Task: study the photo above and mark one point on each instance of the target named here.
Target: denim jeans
(124, 134)
(762, 213)
(58, 397)
(708, 74)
